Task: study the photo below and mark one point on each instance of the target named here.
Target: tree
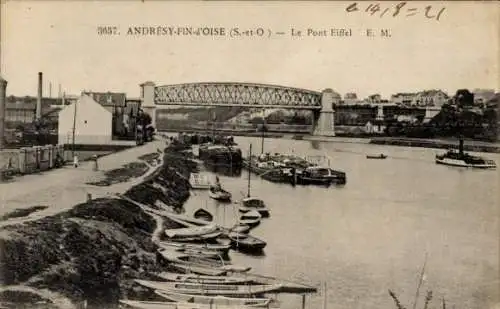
(464, 98)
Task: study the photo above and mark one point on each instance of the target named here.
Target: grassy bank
(94, 251)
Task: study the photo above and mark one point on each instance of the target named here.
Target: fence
(28, 160)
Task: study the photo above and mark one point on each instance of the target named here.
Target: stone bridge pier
(148, 103)
(324, 119)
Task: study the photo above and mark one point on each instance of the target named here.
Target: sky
(60, 39)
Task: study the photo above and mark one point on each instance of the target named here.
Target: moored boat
(214, 300)
(202, 270)
(217, 247)
(246, 242)
(252, 203)
(194, 233)
(181, 258)
(219, 194)
(192, 278)
(251, 218)
(317, 175)
(205, 253)
(209, 289)
(203, 214)
(138, 304)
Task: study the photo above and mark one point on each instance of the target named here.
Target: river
(374, 233)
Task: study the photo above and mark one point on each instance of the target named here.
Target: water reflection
(224, 169)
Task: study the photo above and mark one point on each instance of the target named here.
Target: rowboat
(239, 228)
(251, 218)
(205, 253)
(380, 156)
(181, 258)
(209, 289)
(220, 248)
(194, 233)
(203, 215)
(215, 300)
(202, 270)
(219, 194)
(252, 203)
(191, 278)
(246, 242)
(171, 305)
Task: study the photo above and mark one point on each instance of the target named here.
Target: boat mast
(74, 129)
(249, 169)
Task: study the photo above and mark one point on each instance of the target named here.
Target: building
(374, 99)
(403, 98)
(430, 98)
(92, 123)
(20, 110)
(351, 98)
(109, 100)
(482, 96)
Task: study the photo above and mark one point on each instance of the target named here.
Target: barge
(293, 170)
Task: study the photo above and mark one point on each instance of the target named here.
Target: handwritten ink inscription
(400, 9)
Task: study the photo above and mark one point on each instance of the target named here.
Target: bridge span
(243, 94)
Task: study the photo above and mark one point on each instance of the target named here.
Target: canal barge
(293, 170)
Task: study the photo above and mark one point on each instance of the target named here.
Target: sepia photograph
(249, 154)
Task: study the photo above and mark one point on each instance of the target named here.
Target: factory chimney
(39, 98)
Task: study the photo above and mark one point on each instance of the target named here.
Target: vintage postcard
(243, 154)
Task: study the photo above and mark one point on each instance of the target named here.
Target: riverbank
(93, 251)
(476, 146)
(470, 145)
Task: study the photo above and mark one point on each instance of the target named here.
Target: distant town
(409, 114)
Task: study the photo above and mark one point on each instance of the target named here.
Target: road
(64, 188)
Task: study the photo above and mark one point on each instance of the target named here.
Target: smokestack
(39, 98)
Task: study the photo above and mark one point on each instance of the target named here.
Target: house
(374, 99)
(91, 122)
(430, 98)
(403, 98)
(351, 98)
(109, 100)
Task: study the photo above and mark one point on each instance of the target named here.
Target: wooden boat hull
(220, 196)
(377, 157)
(205, 253)
(461, 163)
(173, 305)
(247, 243)
(207, 289)
(217, 300)
(203, 279)
(203, 214)
(220, 248)
(209, 271)
(263, 212)
(175, 257)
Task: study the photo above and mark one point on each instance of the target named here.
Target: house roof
(431, 92)
(108, 98)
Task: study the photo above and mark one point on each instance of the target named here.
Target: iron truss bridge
(237, 94)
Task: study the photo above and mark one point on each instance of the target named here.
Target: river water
(376, 232)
